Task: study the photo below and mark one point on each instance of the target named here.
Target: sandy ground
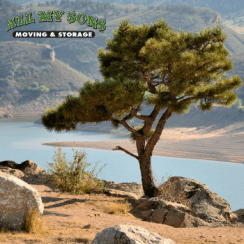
(77, 218)
(225, 144)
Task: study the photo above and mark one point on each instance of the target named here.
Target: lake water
(22, 141)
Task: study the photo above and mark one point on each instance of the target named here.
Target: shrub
(72, 177)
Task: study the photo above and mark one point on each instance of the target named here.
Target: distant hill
(81, 54)
(224, 7)
(28, 70)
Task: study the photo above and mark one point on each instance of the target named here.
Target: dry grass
(167, 191)
(33, 223)
(117, 207)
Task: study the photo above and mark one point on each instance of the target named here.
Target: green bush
(72, 177)
(36, 87)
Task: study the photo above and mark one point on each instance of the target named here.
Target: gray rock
(132, 187)
(17, 199)
(28, 167)
(205, 204)
(239, 213)
(179, 219)
(189, 204)
(120, 234)
(15, 172)
(116, 193)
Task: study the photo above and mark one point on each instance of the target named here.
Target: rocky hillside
(81, 54)
(29, 69)
(32, 75)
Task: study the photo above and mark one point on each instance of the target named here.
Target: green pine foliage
(156, 66)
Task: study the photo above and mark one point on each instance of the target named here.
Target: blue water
(22, 141)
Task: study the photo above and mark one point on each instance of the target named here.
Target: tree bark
(145, 155)
(147, 178)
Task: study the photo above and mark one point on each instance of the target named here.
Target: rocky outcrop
(169, 213)
(17, 200)
(28, 170)
(120, 234)
(186, 202)
(182, 203)
(240, 214)
(15, 172)
(204, 203)
(216, 19)
(48, 52)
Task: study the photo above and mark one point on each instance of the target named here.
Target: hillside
(224, 7)
(30, 70)
(81, 54)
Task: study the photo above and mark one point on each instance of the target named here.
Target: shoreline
(180, 143)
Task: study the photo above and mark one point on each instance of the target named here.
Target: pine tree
(175, 69)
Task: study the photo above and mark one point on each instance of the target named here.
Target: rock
(17, 199)
(179, 219)
(146, 214)
(170, 213)
(29, 167)
(158, 215)
(239, 213)
(120, 234)
(9, 163)
(192, 204)
(15, 172)
(28, 171)
(132, 187)
(156, 203)
(116, 193)
(204, 203)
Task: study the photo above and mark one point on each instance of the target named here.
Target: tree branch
(156, 136)
(122, 149)
(138, 115)
(128, 127)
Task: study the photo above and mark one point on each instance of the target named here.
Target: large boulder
(184, 202)
(120, 234)
(17, 200)
(204, 203)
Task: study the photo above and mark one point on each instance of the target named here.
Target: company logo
(50, 16)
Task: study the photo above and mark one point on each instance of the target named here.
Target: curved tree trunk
(145, 155)
(147, 178)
